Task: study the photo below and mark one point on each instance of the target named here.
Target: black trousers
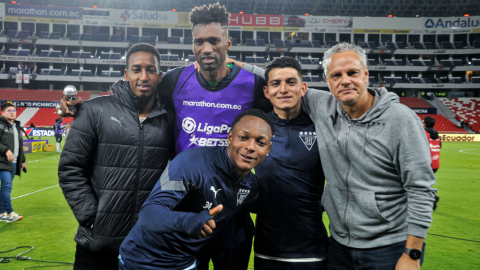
(89, 260)
(263, 264)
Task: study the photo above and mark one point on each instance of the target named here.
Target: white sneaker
(12, 217)
(3, 216)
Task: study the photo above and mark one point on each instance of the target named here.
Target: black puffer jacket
(111, 162)
(7, 139)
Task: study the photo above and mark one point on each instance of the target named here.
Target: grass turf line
(50, 226)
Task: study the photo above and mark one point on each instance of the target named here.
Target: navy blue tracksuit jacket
(289, 214)
(166, 235)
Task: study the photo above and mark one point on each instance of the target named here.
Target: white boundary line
(34, 192)
(463, 151)
(40, 189)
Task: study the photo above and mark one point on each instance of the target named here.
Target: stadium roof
(372, 8)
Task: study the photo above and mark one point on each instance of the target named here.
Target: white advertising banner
(318, 21)
(19, 77)
(26, 78)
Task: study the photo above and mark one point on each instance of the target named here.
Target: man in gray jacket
(379, 194)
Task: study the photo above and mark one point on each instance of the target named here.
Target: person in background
(58, 126)
(435, 146)
(12, 159)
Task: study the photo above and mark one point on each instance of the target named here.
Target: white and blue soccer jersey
(166, 235)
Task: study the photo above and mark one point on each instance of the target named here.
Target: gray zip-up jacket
(377, 167)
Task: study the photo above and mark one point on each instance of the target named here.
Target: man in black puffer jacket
(117, 149)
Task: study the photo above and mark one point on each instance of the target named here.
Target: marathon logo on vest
(308, 138)
(241, 195)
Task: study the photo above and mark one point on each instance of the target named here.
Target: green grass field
(50, 226)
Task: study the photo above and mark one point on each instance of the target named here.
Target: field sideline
(50, 226)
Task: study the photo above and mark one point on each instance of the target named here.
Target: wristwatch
(413, 253)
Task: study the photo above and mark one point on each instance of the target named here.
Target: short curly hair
(257, 113)
(213, 13)
(283, 62)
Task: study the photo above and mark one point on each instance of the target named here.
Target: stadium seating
(417, 62)
(427, 62)
(115, 56)
(55, 35)
(261, 42)
(75, 72)
(259, 60)
(288, 43)
(363, 44)
(173, 57)
(85, 55)
(476, 44)
(332, 43)
(390, 45)
(399, 62)
(414, 102)
(44, 117)
(249, 59)
(104, 55)
(250, 42)
(428, 45)
(55, 54)
(315, 78)
(12, 33)
(116, 74)
(447, 45)
(458, 45)
(75, 54)
(136, 38)
(187, 40)
(56, 72)
(38, 95)
(173, 40)
(372, 44)
(44, 34)
(234, 42)
(86, 36)
(372, 62)
(389, 62)
(457, 62)
(476, 79)
(306, 79)
(101, 37)
(400, 45)
(86, 73)
(417, 80)
(151, 39)
(401, 80)
(388, 79)
(316, 43)
(305, 61)
(75, 36)
(12, 52)
(163, 57)
(456, 80)
(475, 62)
(465, 109)
(372, 79)
(191, 58)
(279, 43)
(443, 125)
(306, 44)
(23, 52)
(105, 73)
(45, 71)
(116, 38)
(446, 63)
(23, 34)
(418, 45)
(13, 70)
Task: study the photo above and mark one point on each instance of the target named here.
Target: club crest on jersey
(208, 205)
(308, 138)
(241, 195)
(375, 128)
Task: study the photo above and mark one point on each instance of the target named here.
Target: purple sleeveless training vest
(204, 118)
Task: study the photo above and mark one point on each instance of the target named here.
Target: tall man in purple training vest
(206, 104)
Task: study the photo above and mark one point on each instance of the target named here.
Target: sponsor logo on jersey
(241, 195)
(189, 126)
(308, 138)
(200, 141)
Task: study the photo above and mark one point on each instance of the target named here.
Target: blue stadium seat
(416, 80)
(372, 79)
(446, 63)
(116, 38)
(288, 43)
(115, 74)
(44, 53)
(44, 34)
(163, 57)
(372, 44)
(150, 39)
(75, 36)
(306, 79)
(250, 42)
(332, 43)
(457, 62)
(55, 72)
(75, 54)
(12, 33)
(104, 55)
(55, 35)
(259, 59)
(75, 72)
(115, 56)
(86, 73)
(372, 62)
(390, 45)
(23, 52)
(249, 59)
(458, 45)
(418, 45)
(389, 62)
(427, 80)
(261, 42)
(232, 57)
(85, 55)
(105, 73)
(45, 71)
(417, 62)
(173, 57)
(456, 80)
(428, 45)
(389, 80)
(475, 62)
(134, 38)
(23, 34)
(305, 61)
(399, 62)
(476, 44)
(278, 43)
(400, 80)
(55, 54)
(234, 41)
(12, 52)
(315, 78)
(400, 45)
(427, 62)
(447, 45)
(316, 61)
(187, 40)
(173, 40)
(86, 36)
(363, 45)
(306, 44)
(476, 79)
(191, 58)
(101, 37)
(316, 43)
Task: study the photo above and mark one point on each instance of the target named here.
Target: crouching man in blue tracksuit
(198, 193)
